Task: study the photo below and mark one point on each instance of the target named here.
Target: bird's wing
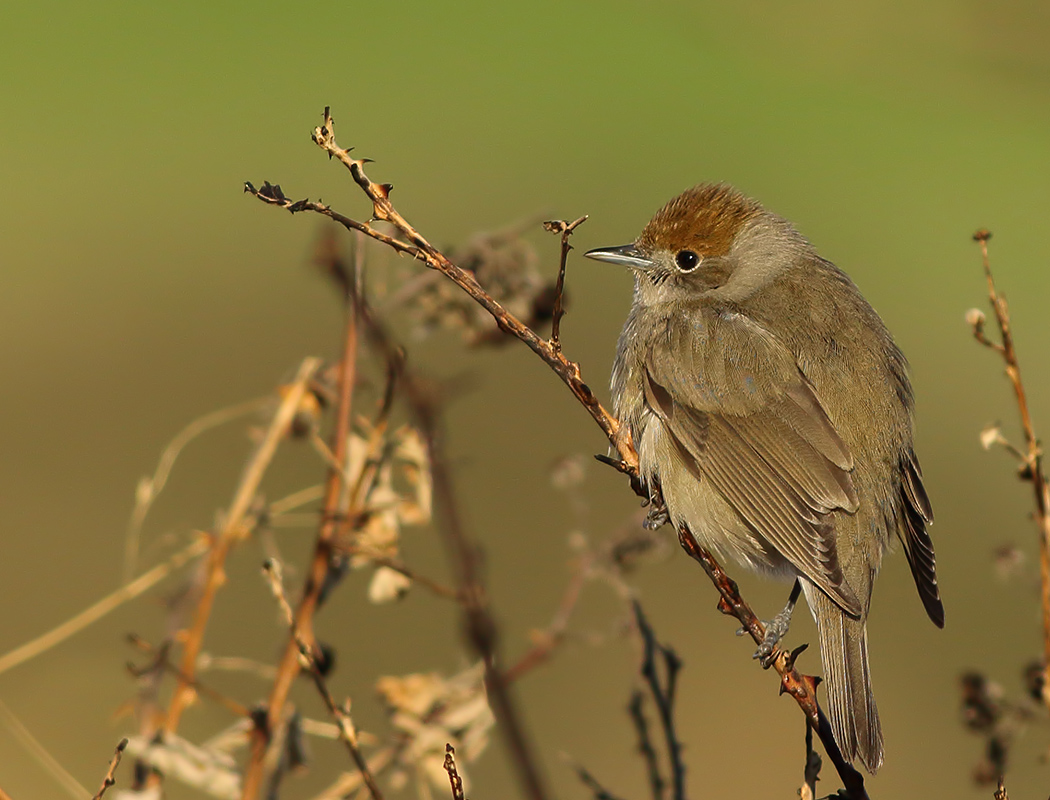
(915, 513)
(743, 415)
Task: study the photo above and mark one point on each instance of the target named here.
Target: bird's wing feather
(915, 513)
(737, 405)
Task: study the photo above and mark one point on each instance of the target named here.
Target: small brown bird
(772, 415)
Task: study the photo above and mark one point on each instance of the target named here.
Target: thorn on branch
(794, 654)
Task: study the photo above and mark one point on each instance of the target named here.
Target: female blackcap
(772, 413)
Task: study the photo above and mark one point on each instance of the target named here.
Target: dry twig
(811, 772)
(109, 780)
(663, 696)
(233, 530)
(161, 661)
(565, 229)
(1031, 457)
(288, 667)
(453, 774)
(414, 244)
(347, 731)
(38, 752)
(93, 613)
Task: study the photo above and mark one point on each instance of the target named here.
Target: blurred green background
(142, 289)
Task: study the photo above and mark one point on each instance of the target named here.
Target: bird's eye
(687, 260)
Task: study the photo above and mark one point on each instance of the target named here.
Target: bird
(772, 414)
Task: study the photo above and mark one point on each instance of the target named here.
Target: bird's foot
(657, 516)
(776, 629)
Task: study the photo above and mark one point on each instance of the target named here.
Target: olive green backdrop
(141, 288)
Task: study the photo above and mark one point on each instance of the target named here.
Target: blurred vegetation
(142, 290)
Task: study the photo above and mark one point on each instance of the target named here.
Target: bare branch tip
(982, 235)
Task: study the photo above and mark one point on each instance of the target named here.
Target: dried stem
(419, 247)
(305, 651)
(233, 531)
(663, 696)
(150, 488)
(481, 627)
(565, 229)
(40, 754)
(549, 639)
(801, 687)
(288, 667)
(645, 745)
(107, 604)
(109, 780)
(1032, 454)
(160, 661)
(453, 773)
(430, 584)
(1000, 791)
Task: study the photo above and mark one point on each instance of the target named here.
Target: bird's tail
(847, 679)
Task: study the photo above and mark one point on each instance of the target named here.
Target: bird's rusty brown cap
(705, 219)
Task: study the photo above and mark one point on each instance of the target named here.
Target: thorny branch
(803, 688)
(453, 774)
(408, 240)
(414, 244)
(1031, 458)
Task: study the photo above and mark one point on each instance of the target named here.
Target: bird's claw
(657, 517)
(776, 629)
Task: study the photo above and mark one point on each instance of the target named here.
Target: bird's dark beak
(626, 256)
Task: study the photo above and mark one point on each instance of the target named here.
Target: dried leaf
(991, 436)
(210, 771)
(387, 585)
(415, 693)
(415, 467)
(434, 712)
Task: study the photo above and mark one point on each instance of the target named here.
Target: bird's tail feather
(847, 680)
